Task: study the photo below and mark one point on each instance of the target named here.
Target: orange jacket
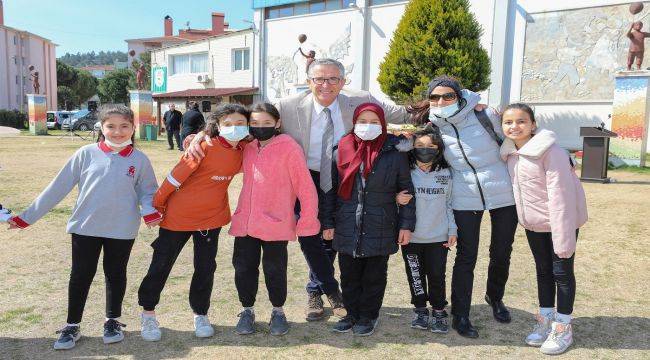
(194, 196)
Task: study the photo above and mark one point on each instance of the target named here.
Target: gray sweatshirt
(433, 211)
(115, 189)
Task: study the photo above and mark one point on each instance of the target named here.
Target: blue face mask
(443, 112)
(233, 133)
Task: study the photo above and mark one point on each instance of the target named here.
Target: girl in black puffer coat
(364, 220)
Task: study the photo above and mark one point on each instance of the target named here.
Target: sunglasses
(447, 97)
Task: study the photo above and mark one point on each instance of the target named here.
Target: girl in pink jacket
(275, 175)
(551, 207)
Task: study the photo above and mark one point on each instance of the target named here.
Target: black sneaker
(439, 322)
(365, 327)
(68, 338)
(420, 319)
(278, 324)
(113, 331)
(344, 325)
(246, 323)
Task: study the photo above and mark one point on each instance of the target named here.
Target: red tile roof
(213, 92)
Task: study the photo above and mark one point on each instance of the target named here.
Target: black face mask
(425, 155)
(262, 133)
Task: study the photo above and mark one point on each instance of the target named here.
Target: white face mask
(443, 112)
(367, 131)
(233, 133)
(114, 145)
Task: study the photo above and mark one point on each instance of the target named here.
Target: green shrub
(14, 119)
(434, 38)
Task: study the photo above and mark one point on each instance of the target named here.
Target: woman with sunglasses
(480, 182)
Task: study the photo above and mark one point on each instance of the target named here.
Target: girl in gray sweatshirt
(425, 257)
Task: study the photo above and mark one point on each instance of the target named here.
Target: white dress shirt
(318, 123)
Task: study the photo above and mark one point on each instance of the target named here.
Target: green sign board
(159, 79)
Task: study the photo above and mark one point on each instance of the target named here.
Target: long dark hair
(211, 128)
(433, 132)
(106, 111)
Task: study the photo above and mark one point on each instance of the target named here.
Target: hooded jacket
(548, 194)
(480, 178)
(274, 177)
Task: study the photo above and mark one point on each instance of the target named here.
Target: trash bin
(151, 132)
(595, 154)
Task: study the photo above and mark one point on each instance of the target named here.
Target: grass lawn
(612, 307)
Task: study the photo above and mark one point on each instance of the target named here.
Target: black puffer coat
(368, 223)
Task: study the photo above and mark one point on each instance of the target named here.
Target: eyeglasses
(446, 97)
(321, 81)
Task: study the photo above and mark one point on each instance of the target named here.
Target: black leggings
(426, 265)
(166, 249)
(85, 256)
(552, 272)
(246, 260)
(504, 224)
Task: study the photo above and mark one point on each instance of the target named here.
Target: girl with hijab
(368, 224)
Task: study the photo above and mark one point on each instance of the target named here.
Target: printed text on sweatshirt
(433, 209)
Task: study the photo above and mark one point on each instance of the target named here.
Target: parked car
(55, 119)
(83, 120)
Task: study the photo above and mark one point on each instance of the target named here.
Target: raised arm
(61, 186)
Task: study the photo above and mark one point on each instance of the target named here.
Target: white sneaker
(559, 340)
(540, 331)
(150, 330)
(202, 327)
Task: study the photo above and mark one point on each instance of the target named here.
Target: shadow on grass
(590, 333)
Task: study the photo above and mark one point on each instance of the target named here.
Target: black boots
(499, 310)
(464, 327)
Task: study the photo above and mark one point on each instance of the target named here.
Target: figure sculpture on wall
(637, 38)
(312, 54)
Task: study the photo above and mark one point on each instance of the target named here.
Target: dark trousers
(504, 224)
(552, 273)
(426, 265)
(246, 260)
(85, 256)
(318, 253)
(363, 284)
(174, 134)
(165, 251)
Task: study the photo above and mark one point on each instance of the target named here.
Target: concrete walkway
(7, 131)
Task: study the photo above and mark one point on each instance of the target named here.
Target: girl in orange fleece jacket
(194, 202)
(275, 175)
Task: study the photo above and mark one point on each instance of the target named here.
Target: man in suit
(317, 119)
(172, 120)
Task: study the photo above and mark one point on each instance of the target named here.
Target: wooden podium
(595, 154)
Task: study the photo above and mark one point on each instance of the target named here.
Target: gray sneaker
(439, 322)
(113, 331)
(68, 338)
(420, 319)
(278, 324)
(246, 323)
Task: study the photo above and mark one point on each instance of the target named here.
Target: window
(240, 59)
(316, 6)
(15, 40)
(17, 79)
(189, 63)
(286, 11)
(301, 9)
(332, 5)
(381, 2)
(313, 6)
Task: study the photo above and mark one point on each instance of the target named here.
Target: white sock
(547, 312)
(562, 318)
(77, 325)
(279, 310)
(251, 308)
(195, 316)
(112, 319)
(148, 316)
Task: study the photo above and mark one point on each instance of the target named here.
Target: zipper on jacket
(521, 201)
(355, 252)
(462, 150)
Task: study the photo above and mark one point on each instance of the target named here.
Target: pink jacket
(274, 176)
(548, 194)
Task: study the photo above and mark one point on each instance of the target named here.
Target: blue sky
(86, 25)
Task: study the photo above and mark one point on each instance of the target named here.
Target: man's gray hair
(326, 62)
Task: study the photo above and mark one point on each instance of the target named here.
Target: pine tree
(434, 38)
